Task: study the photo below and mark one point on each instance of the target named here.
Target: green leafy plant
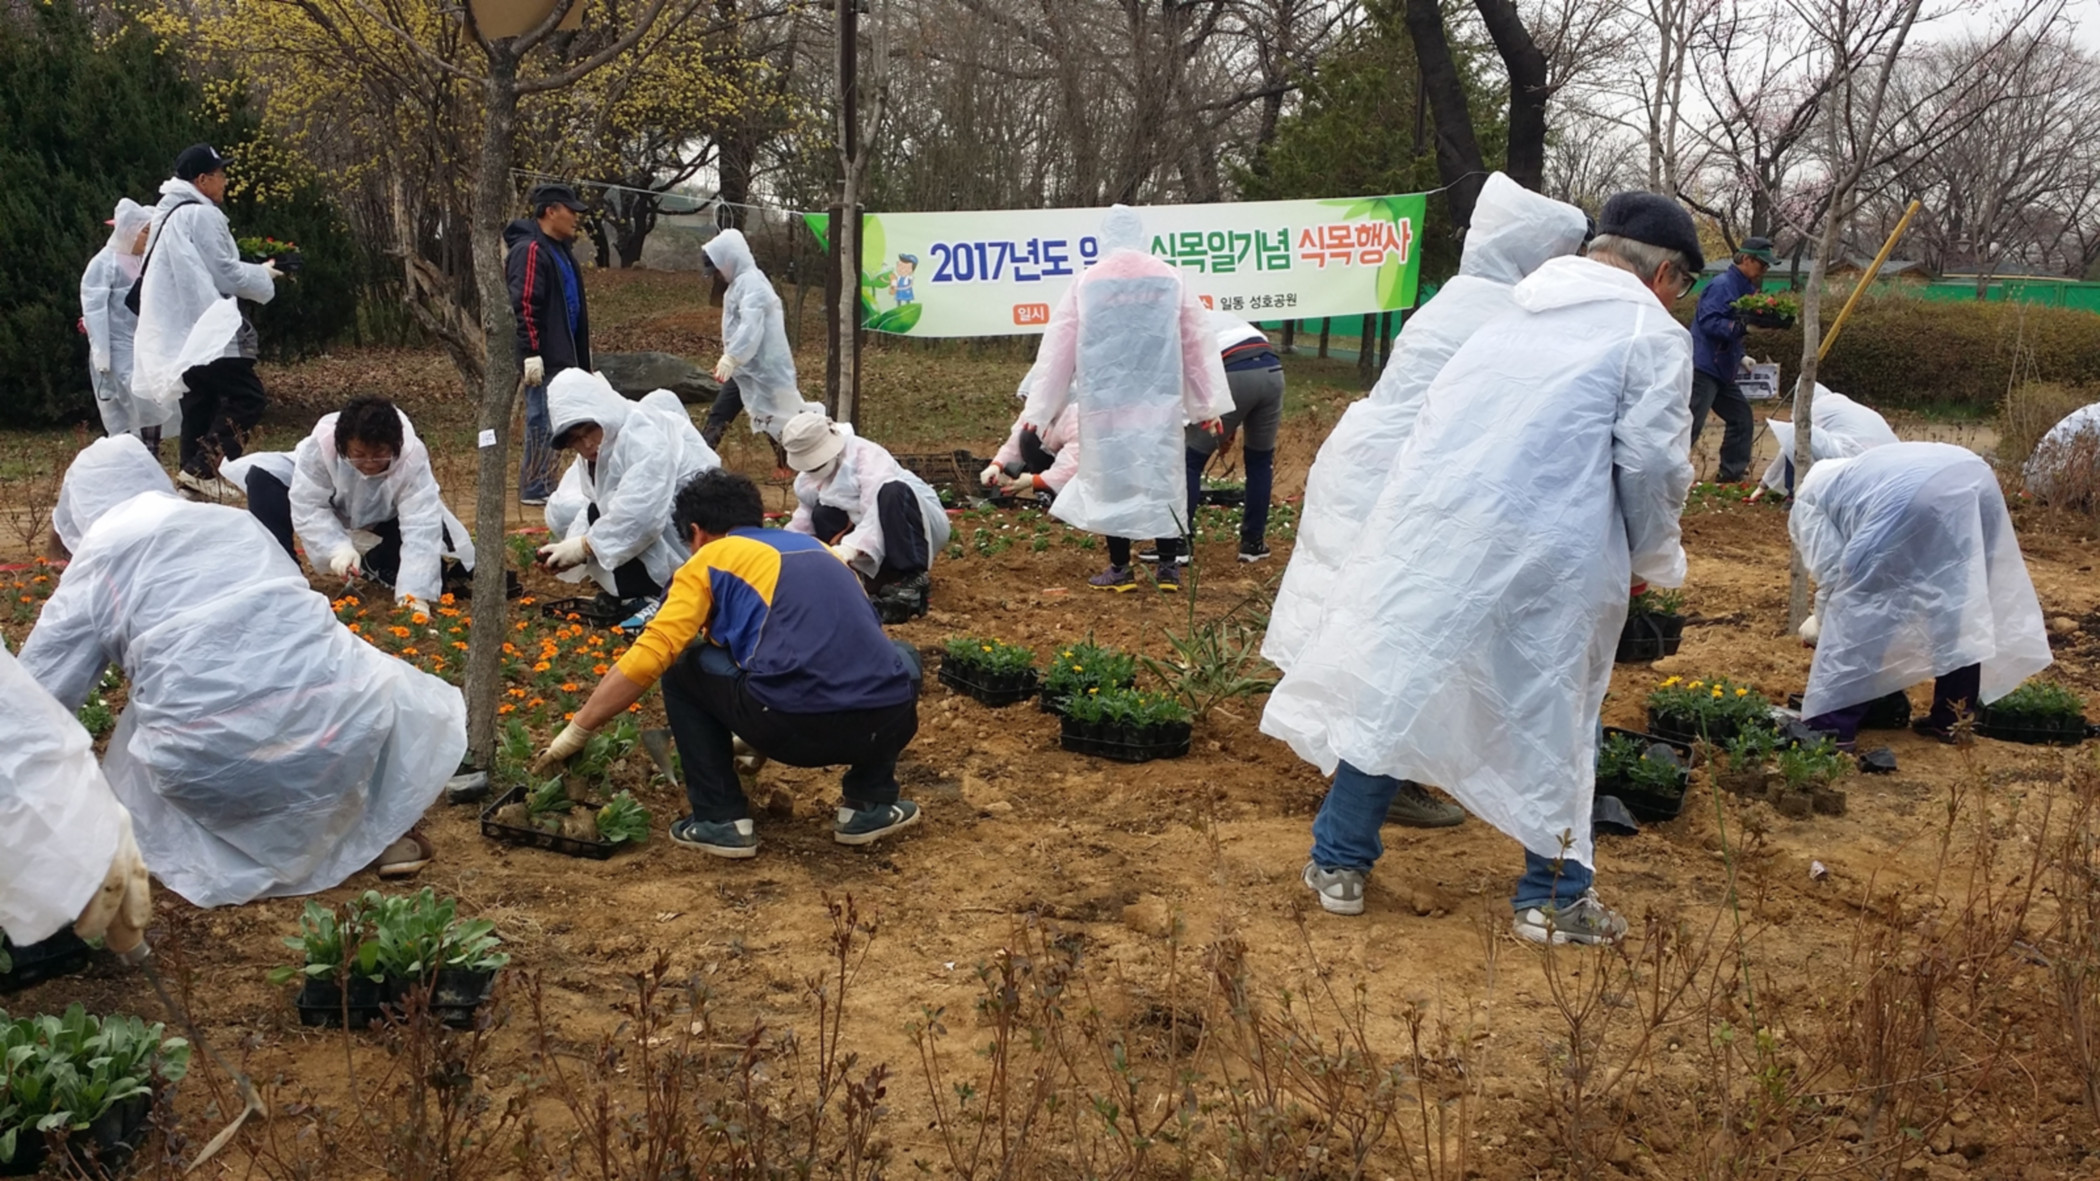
(1751, 747)
(1087, 665)
(593, 765)
(1126, 707)
(1805, 767)
(523, 550)
(1212, 663)
(1770, 304)
(334, 941)
(1711, 707)
(391, 937)
(61, 1073)
(95, 714)
(623, 819)
(547, 802)
(2043, 700)
(1658, 602)
(990, 656)
(1624, 759)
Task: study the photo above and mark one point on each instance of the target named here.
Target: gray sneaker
(1586, 920)
(865, 826)
(1341, 891)
(1414, 807)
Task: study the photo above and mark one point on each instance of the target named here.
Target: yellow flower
(986, 647)
(1717, 693)
(1742, 692)
(1696, 685)
(1078, 668)
(1673, 680)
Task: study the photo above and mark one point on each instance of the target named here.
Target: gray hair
(1644, 259)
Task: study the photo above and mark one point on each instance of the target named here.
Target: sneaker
(1586, 920)
(1414, 807)
(208, 487)
(1115, 578)
(406, 856)
(1253, 551)
(640, 619)
(1168, 578)
(734, 839)
(1341, 891)
(1151, 556)
(864, 826)
(533, 501)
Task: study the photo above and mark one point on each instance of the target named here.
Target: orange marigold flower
(601, 669)
(356, 630)
(460, 645)
(569, 686)
(408, 652)
(447, 599)
(535, 703)
(635, 708)
(419, 619)
(505, 708)
(541, 667)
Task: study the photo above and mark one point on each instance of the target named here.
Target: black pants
(727, 408)
(223, 402)
(270, 502)
(1953, 694)
(905, 548)
(631, 579)
(706, 700)
(1725, 398)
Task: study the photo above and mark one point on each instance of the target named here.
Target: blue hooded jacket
(1717, 333)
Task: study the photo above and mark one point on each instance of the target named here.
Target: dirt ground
(1154, 869)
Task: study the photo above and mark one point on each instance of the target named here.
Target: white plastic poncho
(754, 335)
(1468, 642)
(1514, 230)
(187, 310)
(851, 483)
(2073, 442)
(693, 454)
(111, 326)
(632, 482)
(1918, 573)
(264, 750)
(1132, 345)
(58, 820)
(1844, 428)
(330, 497)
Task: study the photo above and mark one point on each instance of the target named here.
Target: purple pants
(1953, 694)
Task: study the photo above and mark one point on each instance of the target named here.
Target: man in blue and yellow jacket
(767, 636)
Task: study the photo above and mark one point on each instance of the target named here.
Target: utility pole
(842, 325)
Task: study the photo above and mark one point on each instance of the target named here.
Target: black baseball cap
(1654, 219)
(1757, 248)
(198, 160)
(545, 195)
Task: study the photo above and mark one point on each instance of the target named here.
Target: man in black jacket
(554, 323)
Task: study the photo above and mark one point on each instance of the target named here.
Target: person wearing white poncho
(1470, 643)
(358, 490)
(2065, 466)
(264, 750)
(1918, 575)
(1844, 428)
(1514, 230)
(1132, 345)
(111, 326)
(884, 522)
(612, 511)
(757, 368)
(67, 855)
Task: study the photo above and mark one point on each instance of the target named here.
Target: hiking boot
(735, 839)
(1150, 555)
(1168, 578)
(1253, 551)
(1414, 807)
(1586, 920)
(1341, 891)
(905, 600)
(864, 826)
(1115, 578)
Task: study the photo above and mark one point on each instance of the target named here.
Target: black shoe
(1253, 551)
(906, 600)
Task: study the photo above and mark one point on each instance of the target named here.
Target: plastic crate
(511, 834)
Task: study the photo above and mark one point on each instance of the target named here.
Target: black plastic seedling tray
(993, 689)
(511, 834)
(1647, 805)
(2004, 727)
(590, 610)
(1647, 638)
(1123, 743)
(61, 955)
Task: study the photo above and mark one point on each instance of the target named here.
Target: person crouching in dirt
(1918, 575)
(1033, 464)
(883, 521)
(265, 751)
(766, 636)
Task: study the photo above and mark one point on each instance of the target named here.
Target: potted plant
(1710, 710)
(362, 958)
(267, 249)
(1083, 667)
(992, 671)
(1808, 776)
(340, 973)
(549, 815)
(1761, 310)
(1654, 627)
(1742, 767)
(1126, 725)
(2036, 712)
(92, 1080)
(1646, 773)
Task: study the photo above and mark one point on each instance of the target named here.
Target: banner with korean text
(1000, 272)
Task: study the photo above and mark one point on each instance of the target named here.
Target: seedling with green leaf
(623, 819)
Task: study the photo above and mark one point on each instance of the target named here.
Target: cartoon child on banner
(900, 285)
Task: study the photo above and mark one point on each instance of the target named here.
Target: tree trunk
(1458, 161)
(499, 392)
(1525, 161)
(1804, 401)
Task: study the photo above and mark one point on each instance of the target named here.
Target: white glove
(99, 359)
(1021, 485)
(412, 604)
(725, 368)
(1811, 630)
(343, 562)
(991, 476)
(846, 553)
(748, 761)
(562, 749)
(269, 267)
(119, 911)
(564, 554)
(535, 371)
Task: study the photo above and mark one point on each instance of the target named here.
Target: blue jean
(1345, 836)
(1260, 470)
(536, 463)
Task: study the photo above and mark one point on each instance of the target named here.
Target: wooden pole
(1873, 269)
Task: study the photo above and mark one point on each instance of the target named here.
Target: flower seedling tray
(361, 1000)
(2028, 728)
(1648, 637)
(61, 955)
(1646, 804)
(1055, 706)
(511, 834)
(102, 1149)
(457, 993)
(1682, 730)
(1757, 319)
(1124, 743)
(589, 609)
(993, 689)
(1225, 497)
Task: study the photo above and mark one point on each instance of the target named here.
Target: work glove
(564, 554)
(343, 562)
(725, 368)
(1021, 485)
(846, 553)
(99, 358)
(119, 911)
(535, 371)
(991, 476)
(748, 761)
(562, 749)
(269, 267)
(1811, 631)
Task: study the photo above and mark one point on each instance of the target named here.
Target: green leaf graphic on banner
(874, 246)
(898, 320)
(820, 225)
(1391, 275)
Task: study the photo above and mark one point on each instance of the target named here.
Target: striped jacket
(536, 297)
